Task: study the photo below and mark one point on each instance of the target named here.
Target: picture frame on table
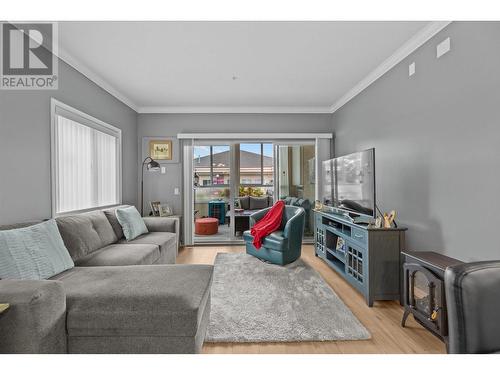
(155, 208)
(165, 210)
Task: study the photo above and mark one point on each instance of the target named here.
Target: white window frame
(59, 108)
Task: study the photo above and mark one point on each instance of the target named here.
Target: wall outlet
(176, 191)
(411, 69)
(443, 47)
(163, 170)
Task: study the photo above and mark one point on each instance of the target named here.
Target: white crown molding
(234, 109)
(94, 77)
(63, 55)
(401, 53)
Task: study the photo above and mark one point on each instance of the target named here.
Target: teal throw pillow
(131, 221)
(33, 253)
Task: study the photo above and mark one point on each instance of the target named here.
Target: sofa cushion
(245, 202)
(122, 255)
(259, 203)
(159, 300)
(131, 221)
(33, 253)
(275, 240)
(166, 241)
(85, 233)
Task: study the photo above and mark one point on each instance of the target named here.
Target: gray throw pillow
(111, 216)
(33, 253)
(259, 203)
(131, 221)
(245, 202)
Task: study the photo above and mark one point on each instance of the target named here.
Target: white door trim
(269, 137)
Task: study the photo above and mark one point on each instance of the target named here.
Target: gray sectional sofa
(96, 239)
(121, 297)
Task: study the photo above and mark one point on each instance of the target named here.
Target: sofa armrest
(256, 216)
(36, 319)
(164, 224)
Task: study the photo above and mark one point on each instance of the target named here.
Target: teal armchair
(283, 246)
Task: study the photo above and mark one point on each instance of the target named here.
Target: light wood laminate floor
(383, 320)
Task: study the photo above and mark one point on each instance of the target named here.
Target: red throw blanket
(268, 224)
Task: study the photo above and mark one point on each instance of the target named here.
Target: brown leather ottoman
(206, 226)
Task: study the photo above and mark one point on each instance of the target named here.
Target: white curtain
(86, 167)
(105, 168)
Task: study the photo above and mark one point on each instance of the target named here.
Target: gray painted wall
(437, 137)
(161, 186)
(25, 192)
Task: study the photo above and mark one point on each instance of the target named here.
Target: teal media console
(367, 258)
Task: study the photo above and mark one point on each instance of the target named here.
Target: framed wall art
(160, 149)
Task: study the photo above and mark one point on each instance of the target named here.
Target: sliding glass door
(233, 179)
(296, 179)
(212, 192)
(255, 188)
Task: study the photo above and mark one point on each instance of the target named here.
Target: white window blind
(86, 161)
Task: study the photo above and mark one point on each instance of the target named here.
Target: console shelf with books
(368, 258)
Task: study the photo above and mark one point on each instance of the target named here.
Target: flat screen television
(349, 183)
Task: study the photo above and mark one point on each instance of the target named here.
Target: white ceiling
(187, 66)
